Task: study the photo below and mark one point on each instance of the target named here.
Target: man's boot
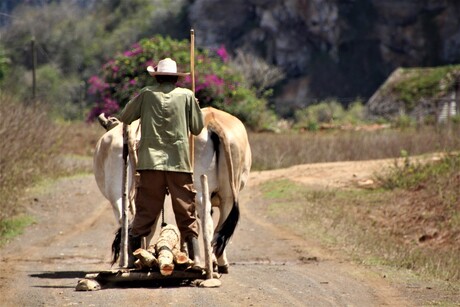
(133, 244)
(194, 252)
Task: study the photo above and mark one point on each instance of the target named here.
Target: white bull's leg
(225, 207)
(117, 207)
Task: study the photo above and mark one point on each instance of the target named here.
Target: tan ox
(221, 151)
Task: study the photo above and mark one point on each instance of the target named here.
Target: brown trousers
(151, 192)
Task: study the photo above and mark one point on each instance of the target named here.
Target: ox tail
(116, 246)
(225, 232)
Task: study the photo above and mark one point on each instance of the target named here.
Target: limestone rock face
(342, 48)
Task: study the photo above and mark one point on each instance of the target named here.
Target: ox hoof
(222, 269)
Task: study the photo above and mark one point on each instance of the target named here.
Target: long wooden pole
(192, 58)
(192, 72)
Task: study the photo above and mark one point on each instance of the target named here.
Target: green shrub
(354, 114)
(4, 63)
(409, 174)
(403, 122)
(456, 119)
(216, 84)
(329, 111)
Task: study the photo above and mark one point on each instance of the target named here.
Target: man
(167, 113)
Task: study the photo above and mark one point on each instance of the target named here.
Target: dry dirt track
(270, 267)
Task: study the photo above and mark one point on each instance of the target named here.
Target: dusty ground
(270, 266)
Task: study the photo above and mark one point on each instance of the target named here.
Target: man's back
(167, 115)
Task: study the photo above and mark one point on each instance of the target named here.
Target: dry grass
(272, 151)
(35, 147)
(29, 147)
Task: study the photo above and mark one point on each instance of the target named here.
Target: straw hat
(166, 67)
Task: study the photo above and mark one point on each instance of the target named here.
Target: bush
(60, 93)
(216, 84)
(403, 122)
(329, 112)
(311, 117)
(354, 113)
(4, 63)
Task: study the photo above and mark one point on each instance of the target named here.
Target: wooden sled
(207, 278)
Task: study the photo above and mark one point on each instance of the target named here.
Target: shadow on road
(60, 274)
(106, 285)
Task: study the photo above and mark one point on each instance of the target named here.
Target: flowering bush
(216, 84)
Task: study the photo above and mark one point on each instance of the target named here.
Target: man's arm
(195, 117)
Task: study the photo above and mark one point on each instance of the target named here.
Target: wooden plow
(204, 278)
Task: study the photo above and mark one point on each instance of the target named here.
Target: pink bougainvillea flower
(222, 52)
(96, 85)
(135, 50)
(214, 80)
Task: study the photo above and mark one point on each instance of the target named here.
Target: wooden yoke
(192, 72)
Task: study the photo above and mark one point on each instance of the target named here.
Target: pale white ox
(221, 152)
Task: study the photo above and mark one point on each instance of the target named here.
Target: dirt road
(270, 267)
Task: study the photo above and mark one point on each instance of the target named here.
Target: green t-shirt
(167, 113)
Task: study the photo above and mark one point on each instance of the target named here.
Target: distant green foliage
(328, 112)
(75, 39)
(4, 63)
(403, 121)
(424, 83)
(216, 84)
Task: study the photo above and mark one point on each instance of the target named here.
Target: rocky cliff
(332, 48)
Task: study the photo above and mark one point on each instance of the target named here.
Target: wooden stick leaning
(192, 73)
(204, 220)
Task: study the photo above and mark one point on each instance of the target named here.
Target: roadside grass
(34, 148)
(413, 223)
(11, 227)
(273, 151)
(30, 144)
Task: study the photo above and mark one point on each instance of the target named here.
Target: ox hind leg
(226, 216)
